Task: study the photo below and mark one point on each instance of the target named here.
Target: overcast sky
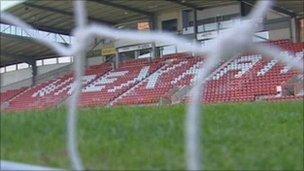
(4, 4)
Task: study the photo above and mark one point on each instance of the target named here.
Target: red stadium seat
(136, 82)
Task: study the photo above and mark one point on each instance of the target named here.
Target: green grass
(256, 136)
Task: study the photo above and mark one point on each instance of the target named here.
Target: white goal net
(236, 40)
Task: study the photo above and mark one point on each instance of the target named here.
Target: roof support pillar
(116, 64)
(295, 31)
(154, 27)
(153, 51)
(195, 23)
(153, 21)
(136, 54)
(34, 72)
(242, 8)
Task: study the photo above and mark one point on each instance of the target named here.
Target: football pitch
(251, 136)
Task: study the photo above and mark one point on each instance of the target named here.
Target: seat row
(135, 82)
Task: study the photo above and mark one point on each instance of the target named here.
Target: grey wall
(19, 75)
(279, 34)
(96, 60)
(218, 11)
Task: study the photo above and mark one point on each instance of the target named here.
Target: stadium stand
(9, 94)
(53, 92)
(108, 87)
(160, 83)
(248, 77)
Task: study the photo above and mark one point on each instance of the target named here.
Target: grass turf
(267, 136)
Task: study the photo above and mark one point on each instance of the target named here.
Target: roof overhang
(17, 49)
(58, 17)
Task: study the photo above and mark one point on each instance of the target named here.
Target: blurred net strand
(13, 166)
(238, 39)
(81, 21)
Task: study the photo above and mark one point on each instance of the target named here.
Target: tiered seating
(299, 56)
(108, 87)
(9, 94)
(131, 63)
(247, 81)
(243, 79)
(51, 93)
(35, 97)
(246, 78)
(160, 83)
